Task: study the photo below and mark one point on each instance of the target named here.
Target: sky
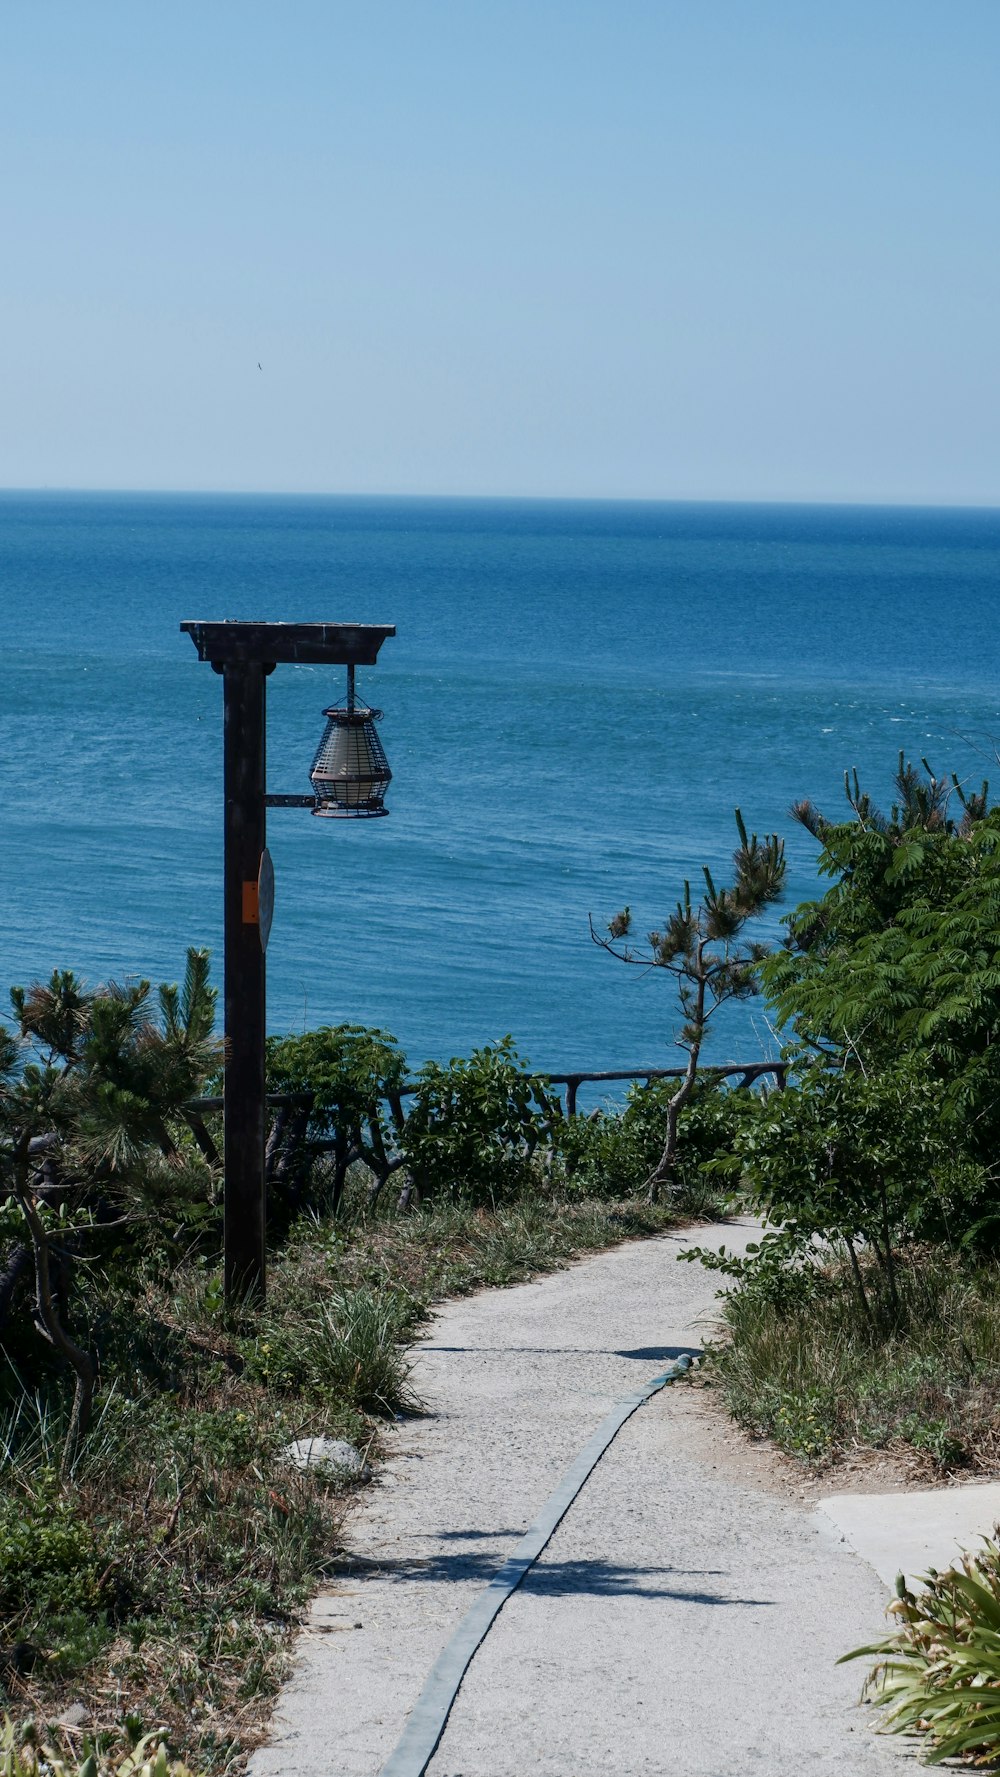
(668, 249)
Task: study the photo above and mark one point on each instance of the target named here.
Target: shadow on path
(591, 1578)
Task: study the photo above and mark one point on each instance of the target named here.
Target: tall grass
(356, 1352)
(812, 1371)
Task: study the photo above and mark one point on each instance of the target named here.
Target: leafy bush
(902, 955)
(51, 1560)
(938, 1675)
(350, 1072)
(348, 1080)
(474, 1126)
(349, 1069)
(613, 1153)
(106, 1078)
(842, 1156)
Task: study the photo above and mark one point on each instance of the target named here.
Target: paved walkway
(681, 1620)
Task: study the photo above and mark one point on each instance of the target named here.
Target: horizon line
(853, 504)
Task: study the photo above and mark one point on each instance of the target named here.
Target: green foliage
(849, 1323)
(902, 955)
(346, 1080)
(612, 1153)
(108, 1076)
(862, 1159)
(804, 1363)
(350, 1069)
(347, 1352)
(473, 1126)
(701, 943)
(51, 1559)
(938, 1674)
(703, 947)
(778, 1272)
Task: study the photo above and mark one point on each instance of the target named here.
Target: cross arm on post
(289, 644)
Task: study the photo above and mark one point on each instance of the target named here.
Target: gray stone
(73, 1717)
(332, 1456)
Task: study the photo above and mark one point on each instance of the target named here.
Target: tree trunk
(662, 1176)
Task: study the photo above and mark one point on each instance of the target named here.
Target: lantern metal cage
(350, 772)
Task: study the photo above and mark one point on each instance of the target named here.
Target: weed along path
(683, 1617)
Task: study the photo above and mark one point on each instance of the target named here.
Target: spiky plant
(26, 1753)
(938, 1675)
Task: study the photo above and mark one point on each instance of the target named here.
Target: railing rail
(748, 1071)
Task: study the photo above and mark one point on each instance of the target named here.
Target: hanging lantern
(350, 771)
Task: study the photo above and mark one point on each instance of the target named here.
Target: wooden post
(244, 982)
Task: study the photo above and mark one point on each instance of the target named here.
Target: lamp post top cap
(233, 641)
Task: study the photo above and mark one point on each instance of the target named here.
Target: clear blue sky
(654, 248)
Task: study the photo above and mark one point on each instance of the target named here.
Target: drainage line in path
(422, 1734)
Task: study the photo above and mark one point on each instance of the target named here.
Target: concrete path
(909, 1532)
(681, 1620)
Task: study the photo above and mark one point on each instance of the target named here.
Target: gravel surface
(681, 1619)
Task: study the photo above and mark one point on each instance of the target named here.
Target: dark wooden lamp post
(349, 776)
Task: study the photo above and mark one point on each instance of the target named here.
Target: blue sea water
(577, 698)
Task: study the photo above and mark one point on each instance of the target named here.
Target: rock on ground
(335, 1455)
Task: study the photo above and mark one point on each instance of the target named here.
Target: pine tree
(703, 948)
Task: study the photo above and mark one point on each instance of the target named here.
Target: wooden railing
(745, 1072)
(287, 1139)
(748, 1072)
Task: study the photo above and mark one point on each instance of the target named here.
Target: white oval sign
(265, 897)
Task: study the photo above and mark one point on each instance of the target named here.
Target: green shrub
(347, 1078)
(938, 1675)
(348, 1069)
(602, 1155)
(474, 1126)
(901, 956)
(613, 1153)
(861, 1160)
(51, 1560)
(804, 1364)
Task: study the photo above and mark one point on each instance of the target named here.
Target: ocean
(577, 698)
